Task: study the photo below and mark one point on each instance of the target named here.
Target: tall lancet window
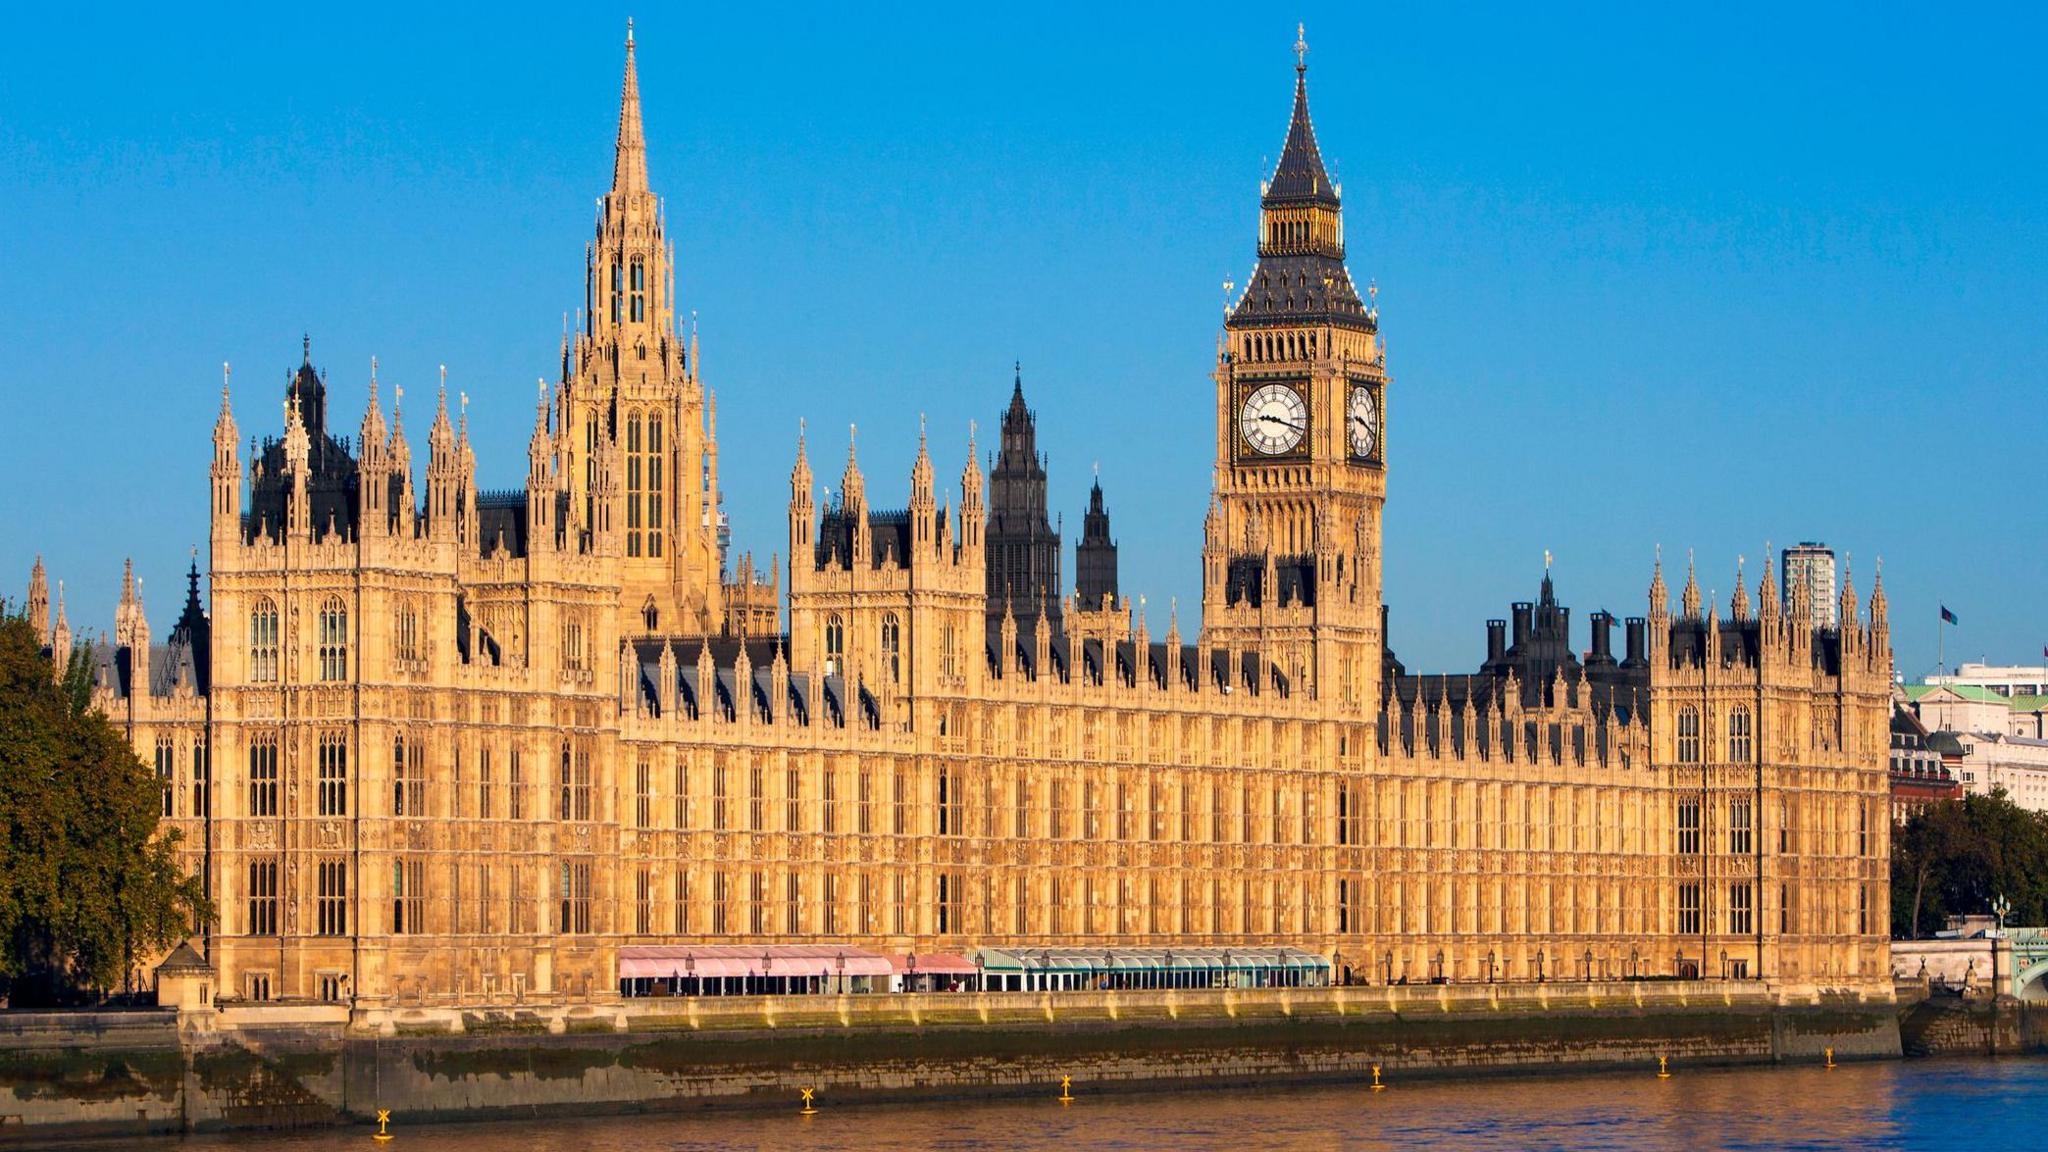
(618, 290)
(263, 643)
(633, 488)
(639, 308)
(653, 478)
(333, 639)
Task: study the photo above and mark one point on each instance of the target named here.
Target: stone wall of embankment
(273, 1069)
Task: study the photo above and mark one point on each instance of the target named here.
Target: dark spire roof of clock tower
(1300, 175)
(1300, 280)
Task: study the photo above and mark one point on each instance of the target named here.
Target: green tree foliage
(1955, 857)
(89, 887)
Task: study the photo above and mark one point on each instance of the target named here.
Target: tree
(1954, 857)
(89, 883)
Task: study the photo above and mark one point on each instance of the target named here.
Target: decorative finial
(306, 346)
(1098, 469)
(1546, 561)
(225, 372)
(629, 31)
(1301, 47)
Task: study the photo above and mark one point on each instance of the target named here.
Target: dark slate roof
(501, 515)
(1300, 176)
(183, 959)
(888, 533)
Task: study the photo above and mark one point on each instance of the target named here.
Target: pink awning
(934, 964)
(711, 961)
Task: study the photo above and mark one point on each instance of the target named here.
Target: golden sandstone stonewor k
(457, 749)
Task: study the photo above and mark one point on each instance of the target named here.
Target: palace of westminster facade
(458, 748)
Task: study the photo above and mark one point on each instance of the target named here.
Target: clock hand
(1277, 420)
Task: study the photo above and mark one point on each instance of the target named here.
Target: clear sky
(1702, 276)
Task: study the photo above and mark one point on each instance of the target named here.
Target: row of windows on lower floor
(486, 900)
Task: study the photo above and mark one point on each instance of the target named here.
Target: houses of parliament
(436, 746)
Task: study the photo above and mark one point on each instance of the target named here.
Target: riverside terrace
(827, 969)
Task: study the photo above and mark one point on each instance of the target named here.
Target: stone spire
(921, 491)
(1848, 605)
(629, 167)
(800, 509)
(39, 601)
(1660, 595)
(1739, 606)
(60, 636)
(1691, 595)
(852, 489)
(972, 515)
(1767, 592)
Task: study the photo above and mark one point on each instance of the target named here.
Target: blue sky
(1648, 274)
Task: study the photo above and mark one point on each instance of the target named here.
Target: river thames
(1926, 1104)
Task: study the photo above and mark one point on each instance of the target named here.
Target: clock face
(1363, 421)
(1274, 419)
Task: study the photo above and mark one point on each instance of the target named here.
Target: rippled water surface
(1941, 1104)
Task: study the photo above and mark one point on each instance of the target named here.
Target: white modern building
(1815, 562)
(2009, 680)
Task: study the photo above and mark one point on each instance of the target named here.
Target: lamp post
(912, 982)
(1167, 978)
(980, 974)
(840, 964)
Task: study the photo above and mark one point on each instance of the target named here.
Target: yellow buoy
(1663, 1071)
(1831, 1057)
(1066, 1089)
(382, 1136)
(1376, 1085)
(809, 1108)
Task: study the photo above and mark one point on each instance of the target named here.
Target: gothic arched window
(263, 643)
(892, 648)
(333, 639)
(633, 484)
(405, 626)
(166, 765)
(653, 478)
(408, 778)
(618, 291)
(639, 307)
(1740, 744)
(835, 644)
(1689, 735)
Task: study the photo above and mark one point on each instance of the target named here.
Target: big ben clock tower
(1291, 560)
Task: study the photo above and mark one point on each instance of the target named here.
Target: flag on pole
(1948, 617)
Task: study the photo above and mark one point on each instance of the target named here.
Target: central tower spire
(634, 420)
(629, 169)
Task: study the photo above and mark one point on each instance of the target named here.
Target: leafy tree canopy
(1956, 856)
(89, 885)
